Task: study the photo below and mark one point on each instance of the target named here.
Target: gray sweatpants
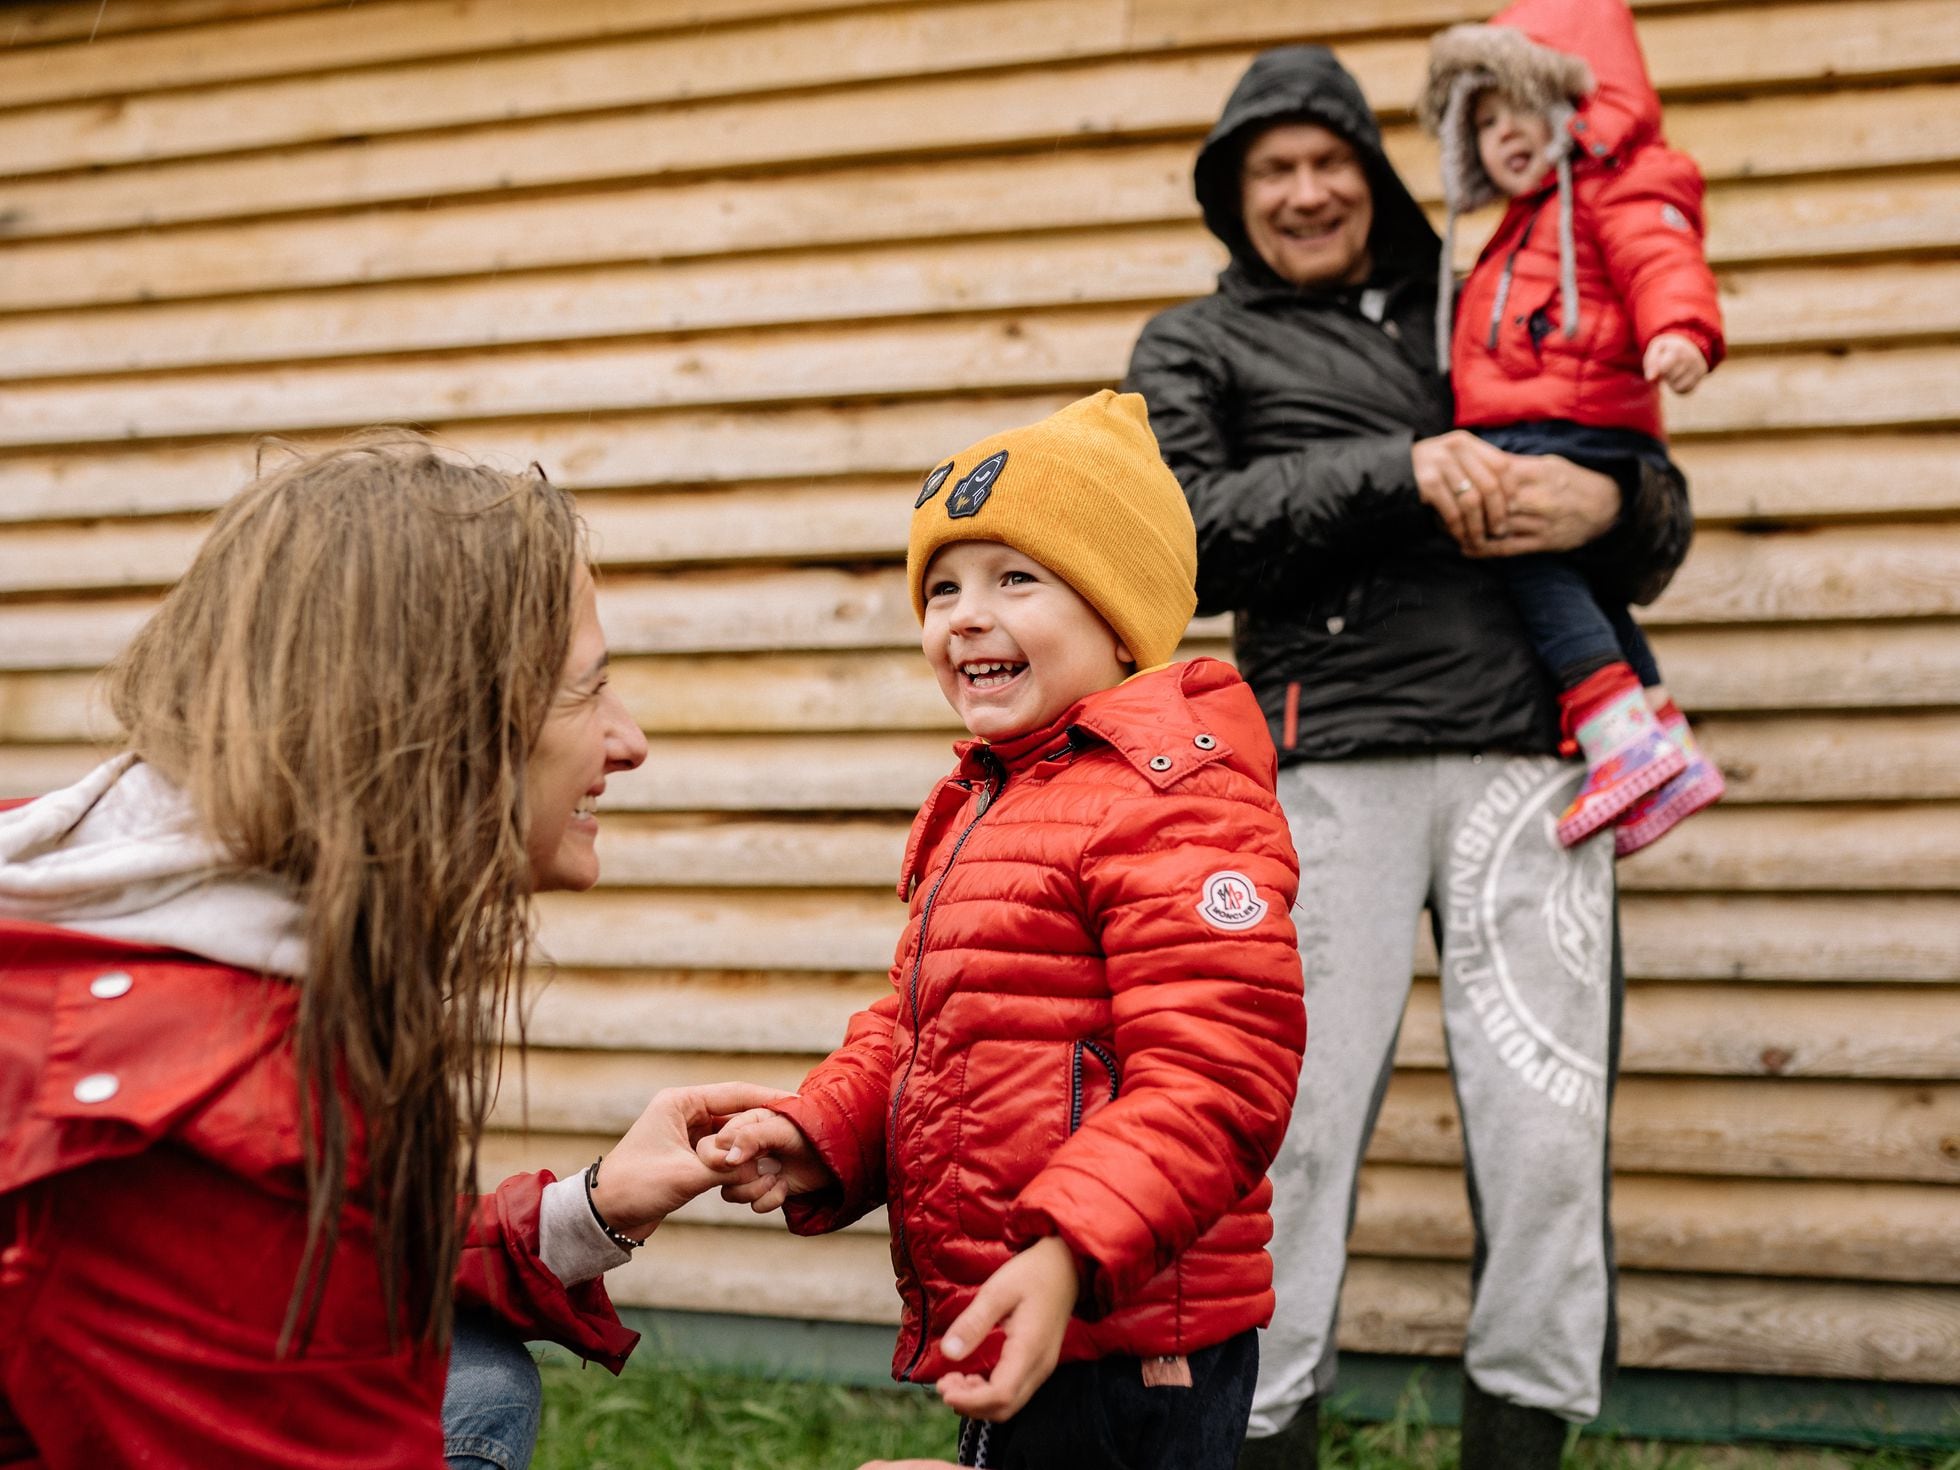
(1527, 932)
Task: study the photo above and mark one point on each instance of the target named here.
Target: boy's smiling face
(1011, 643)
(1511, 141)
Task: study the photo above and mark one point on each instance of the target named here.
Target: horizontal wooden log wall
(737, 270)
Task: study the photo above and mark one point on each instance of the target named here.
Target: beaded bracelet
(618, 1237)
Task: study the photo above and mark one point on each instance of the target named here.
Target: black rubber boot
(1296, 1447)
(1500, 1435)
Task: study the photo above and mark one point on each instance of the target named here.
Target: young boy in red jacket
(1087, 1060)
(1592, 293)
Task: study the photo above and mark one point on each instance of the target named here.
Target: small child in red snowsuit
(1593, 291)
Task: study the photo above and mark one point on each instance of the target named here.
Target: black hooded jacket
(1288, 415)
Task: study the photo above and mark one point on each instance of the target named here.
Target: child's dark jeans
(1100, 1416)
(1573, 629)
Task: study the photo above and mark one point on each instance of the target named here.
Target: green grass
(663, 1417)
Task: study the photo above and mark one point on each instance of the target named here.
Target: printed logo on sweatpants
(1497, 855)
(1231, 902)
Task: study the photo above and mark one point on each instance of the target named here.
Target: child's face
(1511, 142)
(1011, 643)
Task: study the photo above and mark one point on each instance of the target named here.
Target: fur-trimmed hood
(1577, 60)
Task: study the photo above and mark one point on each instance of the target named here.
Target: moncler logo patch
(932, 484)
(1674, 219)
(972, 492)
(1231, 902)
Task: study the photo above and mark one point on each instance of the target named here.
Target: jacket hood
(1306, 84)
(120, 854)
(1577, 60)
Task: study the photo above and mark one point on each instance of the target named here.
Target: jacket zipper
(988, 793)
(1102, 1054)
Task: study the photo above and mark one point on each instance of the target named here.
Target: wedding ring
(1464, 487)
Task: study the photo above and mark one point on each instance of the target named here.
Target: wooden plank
(1837, 758)
(1899, 38)
(600, 451)
(1139, 184)
(1889, 939)
(1703, 1323)
(1801, 1228)
(1754, 1128)
(52, 22)
(1886, 1033)
(1846, 573)
(1818, 849)
(1846, 304)
(1065, 352)
(1895, 1033)
(1805, 1228)
(1823, 477)
(1029, 110)
(861, 518)
(327, 36)
(769, 55)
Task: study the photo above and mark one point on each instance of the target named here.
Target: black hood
(1306, 84)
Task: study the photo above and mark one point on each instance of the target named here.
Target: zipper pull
(986, 800)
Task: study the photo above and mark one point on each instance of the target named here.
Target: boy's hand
(783, 1161)
(1030, 1299)
(655, 1169)
(1675, 361)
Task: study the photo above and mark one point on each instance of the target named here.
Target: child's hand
(655, 1168)
(1675, 361)
(1030, 1299)
(784, 1162)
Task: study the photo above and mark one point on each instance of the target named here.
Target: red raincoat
(152, 1215)
(1094, 1029)
(1637, 230)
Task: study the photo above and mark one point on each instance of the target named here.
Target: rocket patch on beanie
(1086, 493)
(932, 484)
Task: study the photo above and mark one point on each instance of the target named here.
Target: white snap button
(1336, 624)
(97, 1087)
(1203, 742)
(1160, 763)
(109, 986)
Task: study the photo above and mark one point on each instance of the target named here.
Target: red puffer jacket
(1094, 1030)
(152, 1217)
(1637, 235)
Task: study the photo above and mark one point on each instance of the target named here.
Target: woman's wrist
(624, 1239)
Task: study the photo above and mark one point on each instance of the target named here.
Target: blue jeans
(492, 1402)
(1573, 630)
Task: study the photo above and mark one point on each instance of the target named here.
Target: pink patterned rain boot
(1655, 815)
(1627, 753)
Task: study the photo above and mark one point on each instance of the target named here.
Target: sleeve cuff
(570, 1241)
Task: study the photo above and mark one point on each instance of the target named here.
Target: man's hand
(653, 1170)
(1461, 478)
(1675, 361)
(1030, 1299)
(770, 1157)
(1555, 506)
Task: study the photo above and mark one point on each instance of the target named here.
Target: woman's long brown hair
(346, 684)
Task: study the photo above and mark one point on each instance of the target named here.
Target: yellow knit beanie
(1085, 493)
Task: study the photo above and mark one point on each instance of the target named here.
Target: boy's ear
(1123, 654)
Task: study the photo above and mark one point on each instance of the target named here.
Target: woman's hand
(771, 1157)
(1555, 506)
(1030, 1299)
(1461, 478)
(654, 1170)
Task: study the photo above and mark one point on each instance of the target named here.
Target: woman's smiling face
(1011, 643)
(587, 735)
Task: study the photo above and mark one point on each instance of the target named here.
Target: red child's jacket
(1094, 1029)
(1638, 245)
(152, 1215)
